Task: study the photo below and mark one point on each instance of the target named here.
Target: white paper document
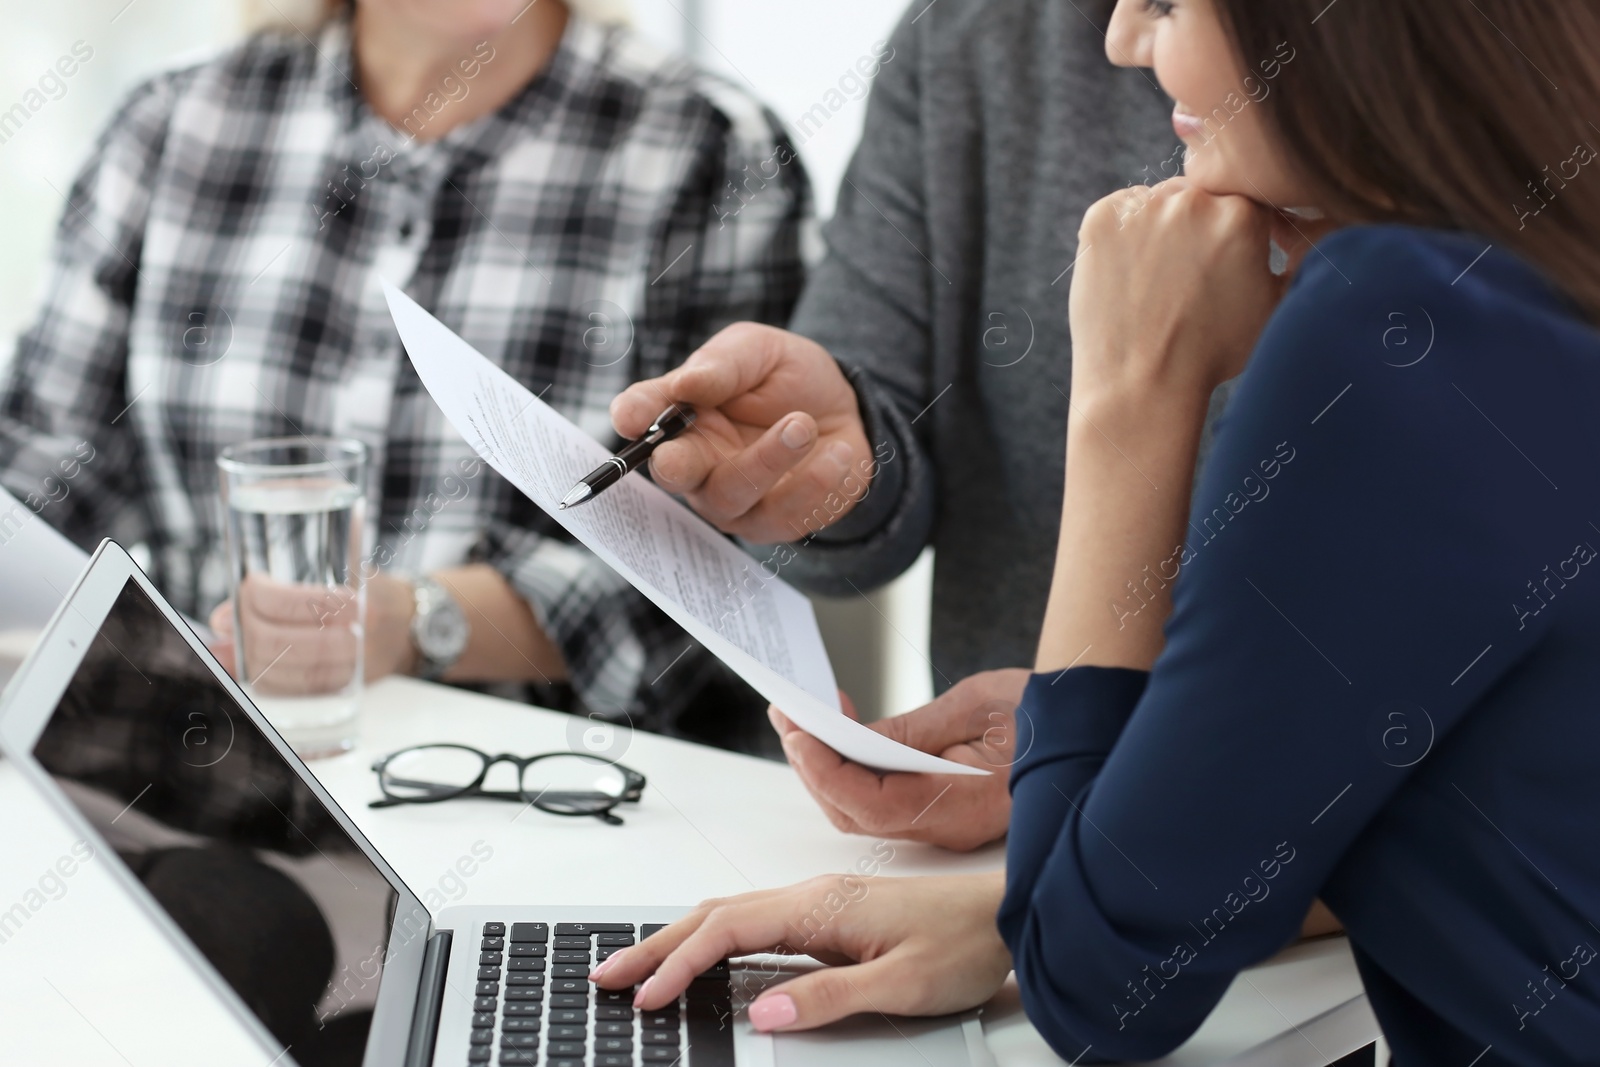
(757, 624)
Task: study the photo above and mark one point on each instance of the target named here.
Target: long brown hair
(1437, 113)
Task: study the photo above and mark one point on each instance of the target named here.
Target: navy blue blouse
(1380, 686)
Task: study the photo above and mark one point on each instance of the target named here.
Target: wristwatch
(439, 629)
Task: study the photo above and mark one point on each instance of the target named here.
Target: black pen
(669, 424)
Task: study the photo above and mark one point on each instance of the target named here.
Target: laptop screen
(223, 833)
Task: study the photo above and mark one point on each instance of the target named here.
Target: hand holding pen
(667, 425)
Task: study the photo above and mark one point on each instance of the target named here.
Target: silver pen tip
(576, 495)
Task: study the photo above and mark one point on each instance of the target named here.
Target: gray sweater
(944, 293)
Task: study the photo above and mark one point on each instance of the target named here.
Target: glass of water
(296, 511)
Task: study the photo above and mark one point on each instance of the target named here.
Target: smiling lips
(1186, 125)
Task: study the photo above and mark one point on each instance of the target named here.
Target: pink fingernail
(774, 1012)
(604, 966)
(644, 991)
(795, 434)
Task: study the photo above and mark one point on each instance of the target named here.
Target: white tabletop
(83, 980)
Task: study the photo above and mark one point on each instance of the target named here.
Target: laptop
(123, 720)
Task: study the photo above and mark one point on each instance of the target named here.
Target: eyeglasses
(561, 783)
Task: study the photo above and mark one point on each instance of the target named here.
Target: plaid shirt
(216, 278)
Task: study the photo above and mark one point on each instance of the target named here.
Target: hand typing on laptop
(151, 741)
(905, 946)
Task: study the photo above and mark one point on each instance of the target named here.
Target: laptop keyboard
(535, 1005)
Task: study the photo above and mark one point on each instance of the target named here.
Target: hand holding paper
(755, 623)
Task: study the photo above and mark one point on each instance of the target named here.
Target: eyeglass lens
(575, 784)
(430, 772)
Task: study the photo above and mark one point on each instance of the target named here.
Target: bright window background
(797, 55)
(38, 159)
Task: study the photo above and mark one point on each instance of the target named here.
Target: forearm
(505, 641)
(1129, 470)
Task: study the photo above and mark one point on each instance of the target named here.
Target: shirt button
(405, 230)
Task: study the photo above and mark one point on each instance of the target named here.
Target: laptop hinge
(430, 998)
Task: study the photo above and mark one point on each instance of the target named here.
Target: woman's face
(1218, 112)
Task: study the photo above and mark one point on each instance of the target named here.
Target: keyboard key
(707, 989)
(613, 1044)
(522, 963)
(606, 952)
(485, 1004)
(660, 1019)
(524, 1007)
(487, 989)
(478, 1054)
(569, 942)
(570, 970)
(519, 1057)
(567, 1061)
(569, 957)
(529, 950)
(537, 932)
(519, 1040)
(615, 1011)
(646, 929)
(524, 992)
(585, 929)
(572, 1016)
(564, 1048)
(520, 1026)
(710, 1037)
(568, 1033)
(569, 985)
(613, 940)
(492, 944)
(613, 1028)
(657, 1054)
(613, 1059)
(491, 959)
(569, 1000)
(482, 1037)
(488, 974)
(482, 1019)
(494, 929)
(662, 1038)
(614, 996)
(524, 978)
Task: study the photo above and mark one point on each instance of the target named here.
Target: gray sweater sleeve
(868, 303)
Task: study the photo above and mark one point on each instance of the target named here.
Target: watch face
(443, 634)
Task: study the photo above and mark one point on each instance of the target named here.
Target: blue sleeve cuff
(1074, 714)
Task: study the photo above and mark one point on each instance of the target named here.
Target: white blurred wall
(39, 158)
(800, 56)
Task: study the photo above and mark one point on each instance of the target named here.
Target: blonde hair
(612, 12)
(309, 15)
